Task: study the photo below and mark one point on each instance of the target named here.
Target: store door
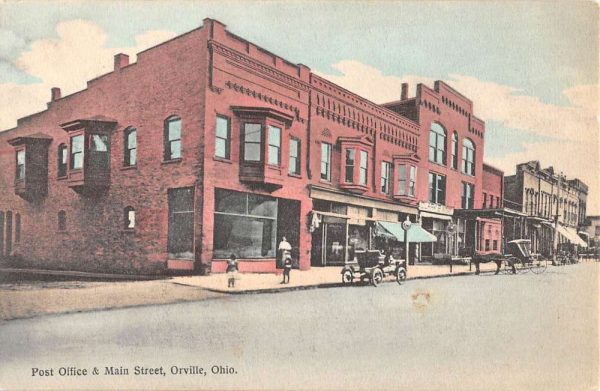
(329, 242)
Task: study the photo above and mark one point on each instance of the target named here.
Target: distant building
(535, 192)
(591, 231)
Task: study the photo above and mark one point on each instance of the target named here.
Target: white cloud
(69, 61)
(569, 134)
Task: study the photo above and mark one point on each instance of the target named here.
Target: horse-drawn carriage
(373, 266)
(517, 259)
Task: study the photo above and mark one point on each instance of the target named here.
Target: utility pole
(555, 241)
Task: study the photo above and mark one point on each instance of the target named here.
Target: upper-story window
(437, 188)
(130, 147)
(223, 137)
(326, 161)
(62, 158)
(402, 180)
(364, 161)
(407, 175)
(77, 144)
(386, 174)
(274, 150)
(498, 205)
(468, 157)
(172, 138)
(412, 181)
(350, 161)
(437, 144)
(252, 142)
(485, 201)
(20, 173)
(294, 167)
(454, 150)
(468, 191)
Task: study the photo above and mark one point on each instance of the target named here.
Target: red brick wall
(140, 95)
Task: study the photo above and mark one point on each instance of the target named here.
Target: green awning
(416, 234)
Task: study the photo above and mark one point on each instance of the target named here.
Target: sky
(530, 68)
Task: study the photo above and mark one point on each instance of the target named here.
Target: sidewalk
(316, 277)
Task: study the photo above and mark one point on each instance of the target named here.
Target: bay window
(412, 181)
(77, 148)
(402, 180)
(364, 157)
(274, 150)
(252, 142)
(20, 174)
(349, 176)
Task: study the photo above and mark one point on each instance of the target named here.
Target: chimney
(404, 94)
(55, 94)
(121, 61)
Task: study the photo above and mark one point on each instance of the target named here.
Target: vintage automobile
(374, 266)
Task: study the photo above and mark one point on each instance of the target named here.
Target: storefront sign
(435, 208)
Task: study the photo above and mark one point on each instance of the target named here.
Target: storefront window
(245, 225)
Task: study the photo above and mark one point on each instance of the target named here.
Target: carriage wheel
(376, 277)
(539, 265)
(506, 268)
(400, 275)
(347, 277)
(522, 267)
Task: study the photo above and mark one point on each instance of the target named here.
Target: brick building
(535, 192)
(451, 171)
(209, 145)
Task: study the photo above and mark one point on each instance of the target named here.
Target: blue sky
(539, 55)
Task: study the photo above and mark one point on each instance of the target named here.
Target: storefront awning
(568, 233)
(416, 234)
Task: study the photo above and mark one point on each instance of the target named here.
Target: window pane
(220, 148)
(274, 136)
(273, 155)
(349, 165)
(132, 139)
(252, 152)
(78, 160)
(63, 154)
(246, 237)
(402, 180)
(222, 127)
(175, 149)
(181, 200)
(230, 201)
(294, 146)
(325, 151)
(21, 156)
(262, 206)
(174, 129)
(131, 219)
(99, 143)
(77, 144)
(133, 157)
(252, 133)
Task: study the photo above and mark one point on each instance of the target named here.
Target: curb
(324, 285)
(68, 273)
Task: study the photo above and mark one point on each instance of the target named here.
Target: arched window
(129, 217)
(468, 157)
(437, 144)
(454, 150)
(172, 138)
(130, 147)
(62, 159)
(62, 220)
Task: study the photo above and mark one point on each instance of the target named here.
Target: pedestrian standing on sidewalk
(232, 271)
(285, 249)
(287, 267)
